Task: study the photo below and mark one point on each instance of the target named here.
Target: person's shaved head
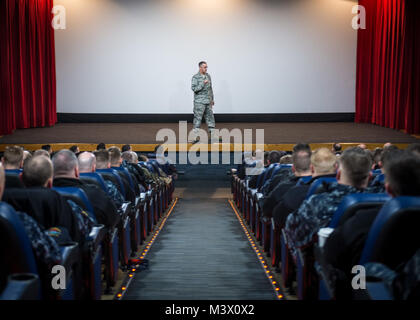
(2, 180)
(13, 157)
(87, 162)
(65, 164)
(37, 172)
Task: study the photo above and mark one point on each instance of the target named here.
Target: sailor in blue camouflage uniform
(316, 212)
(201, 84)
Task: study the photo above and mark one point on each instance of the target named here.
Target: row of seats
(397, 217)
(92, 266)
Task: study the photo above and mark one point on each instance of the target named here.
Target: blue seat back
(352, 200)
(96, 176)
(127, 174)
(304, 180)
(13, 171)
(390, 208)
(13, 231)
(116, 175)
(80, 194)
(317, 183)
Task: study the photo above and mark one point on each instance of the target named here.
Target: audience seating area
(391, 239)
(103, 252)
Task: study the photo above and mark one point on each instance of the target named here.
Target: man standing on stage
(203, 102)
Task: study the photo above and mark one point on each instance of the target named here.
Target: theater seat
(318, 184)
(19, 266)
(92, 253)
(393, 238)
(352, 203)
(95, 176)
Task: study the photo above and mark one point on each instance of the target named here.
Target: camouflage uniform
(315, 213)
(203, 98)
(114, 193)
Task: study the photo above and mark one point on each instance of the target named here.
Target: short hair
(274, 156)
(115, 153)
(142, 157)
(129, 156)
(414, 148)
(37, 171)
(64, 162)
(125, 147)
(26, 156)
(324, 161)
(46, 147)
(13, 156)
(337, 147)
(86, 162)
(301, 160)
(301, 147)
(73, 148)
(201, 63)
(388, 153)
(101, 146)
(357, 164)
(403, 174)
(41, 152)
(286, 159)
(102, 158)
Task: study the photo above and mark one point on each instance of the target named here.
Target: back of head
(274, 156)
(37, 171)
(143, 158)
(403, 174)
(41, 152)
(414, 148)
(388, 153)
(336, 147)
(301, 147)
(287, 159)
(102, 159)
(266, 154)
(13, 157)
(101, 146)
(324, 161)
(87, 162)
(47, 148)
(115, 154)
(64, 163)
(301, 161)
(356, 163)
(129, 156)
(74, 149)
(127, 147)
(377, 153)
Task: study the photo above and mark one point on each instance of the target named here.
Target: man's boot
(196, 136)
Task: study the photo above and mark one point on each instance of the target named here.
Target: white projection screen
(264, 56)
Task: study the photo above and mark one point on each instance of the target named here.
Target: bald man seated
(66, 174)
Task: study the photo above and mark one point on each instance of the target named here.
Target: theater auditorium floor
(202, 252)
(145, 133)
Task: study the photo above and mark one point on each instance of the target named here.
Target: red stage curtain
(27, 65)
(388, 65)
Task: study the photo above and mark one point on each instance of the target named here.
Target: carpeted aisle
(201, 253)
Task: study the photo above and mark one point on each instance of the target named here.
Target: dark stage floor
(145, 133)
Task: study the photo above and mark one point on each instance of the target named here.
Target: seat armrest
(377, 290)
(69, 254)
(21, 286)
(97, 234)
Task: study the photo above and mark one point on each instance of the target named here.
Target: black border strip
(220, 117)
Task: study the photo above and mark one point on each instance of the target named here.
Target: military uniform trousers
(203, 110)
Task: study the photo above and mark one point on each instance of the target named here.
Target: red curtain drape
(27, 65)
(388, 65)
